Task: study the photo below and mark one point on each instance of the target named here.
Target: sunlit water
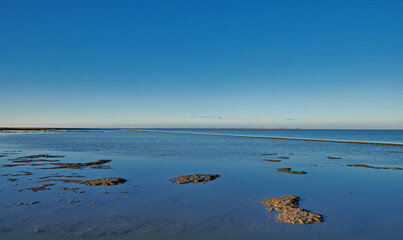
(357, 203)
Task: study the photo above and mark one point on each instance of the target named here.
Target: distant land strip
(279, 138)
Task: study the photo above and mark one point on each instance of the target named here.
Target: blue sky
(307, 64)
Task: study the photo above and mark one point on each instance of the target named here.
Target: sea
(356, 202)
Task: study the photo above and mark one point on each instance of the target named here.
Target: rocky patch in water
(33, 160)
(64, 176)
(284, 157)
(289, 211)
(12, 165)
(368, 166)
(40, 188)
(270, 160)
(94, 182)
(334, 157)
(104, 181)
(288, 170)
(41, 156)
(269, 154)
(194, 178)
(78, 165)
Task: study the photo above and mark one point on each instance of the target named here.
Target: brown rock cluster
(289, 211)
(194, 178)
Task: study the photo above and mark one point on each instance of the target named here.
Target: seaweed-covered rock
(289, 211)
(194, 178)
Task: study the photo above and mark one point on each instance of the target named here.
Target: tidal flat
(124, 184)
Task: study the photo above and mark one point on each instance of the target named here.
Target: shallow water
(357, 203)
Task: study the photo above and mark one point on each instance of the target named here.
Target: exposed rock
(284, 157)
(24, 160)
(104, 181)
(270, 160)
(94, 182)
(65, 176)
(78, 165)
(288, 170)
(12, 179)
(40, 156)
(269, 154)
(194, 178)
(289, 211)
(40, 188)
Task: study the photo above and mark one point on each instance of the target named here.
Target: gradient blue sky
(307, 64)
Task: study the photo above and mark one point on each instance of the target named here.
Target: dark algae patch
(269, 154)
(288, 170)
(334, 157)
(284, 157)
(290, 211)
(194, 178)
(368, 166)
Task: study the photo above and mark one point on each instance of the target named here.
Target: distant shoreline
(279, 138)
(50, 129)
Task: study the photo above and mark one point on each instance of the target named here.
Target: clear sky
(202, 63)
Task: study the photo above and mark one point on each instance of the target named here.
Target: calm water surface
(357, 203)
